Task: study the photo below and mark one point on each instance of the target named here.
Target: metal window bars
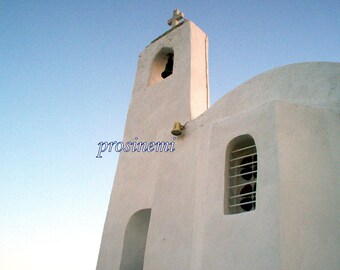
(242, 178)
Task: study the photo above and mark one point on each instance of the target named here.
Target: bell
(166, 73)
(177, 130)
(168, 67)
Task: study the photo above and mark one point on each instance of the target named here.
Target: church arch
(162, 65)
(240, 175)
(135, 240)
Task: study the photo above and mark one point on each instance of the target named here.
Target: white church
(254, 181)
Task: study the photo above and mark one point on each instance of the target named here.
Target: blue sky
(66, 74)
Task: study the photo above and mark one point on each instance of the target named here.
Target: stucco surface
(293, 115)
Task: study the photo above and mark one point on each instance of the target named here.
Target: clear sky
(66, 74)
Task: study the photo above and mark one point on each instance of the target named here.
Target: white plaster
(293, 115)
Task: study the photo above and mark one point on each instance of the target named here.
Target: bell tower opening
(162, 65)
(169, 66)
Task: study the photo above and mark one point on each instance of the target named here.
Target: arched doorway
(135, 240)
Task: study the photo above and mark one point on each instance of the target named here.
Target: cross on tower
(176, 17)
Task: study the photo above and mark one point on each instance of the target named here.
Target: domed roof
(314, 84)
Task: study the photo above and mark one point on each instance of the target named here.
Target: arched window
(240, 176)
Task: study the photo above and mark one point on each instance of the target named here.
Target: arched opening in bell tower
(162, 65)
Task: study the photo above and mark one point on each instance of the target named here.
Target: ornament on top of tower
(177, 17)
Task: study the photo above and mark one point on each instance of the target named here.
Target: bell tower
(171, 85)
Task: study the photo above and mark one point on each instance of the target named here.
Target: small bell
(177, 130)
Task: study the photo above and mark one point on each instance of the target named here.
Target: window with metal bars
(241, 176)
